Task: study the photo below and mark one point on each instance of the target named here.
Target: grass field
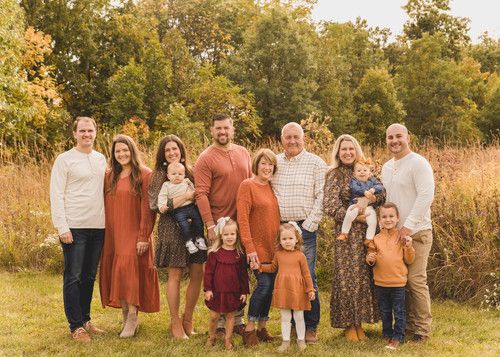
(33, 324)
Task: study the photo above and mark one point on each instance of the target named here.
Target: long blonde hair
(336, 149)
(217, 244)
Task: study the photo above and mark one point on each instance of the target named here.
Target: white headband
(296, 226)
(221, 223)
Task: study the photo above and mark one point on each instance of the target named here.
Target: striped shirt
(298, 186)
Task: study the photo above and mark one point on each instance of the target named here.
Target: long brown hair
(161, 164)
(135, 165)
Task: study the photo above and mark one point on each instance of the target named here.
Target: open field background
(464, 259)
(33, 324)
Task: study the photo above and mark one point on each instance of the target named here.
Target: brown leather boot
(264, 336)
(210, 341)
(250, 338)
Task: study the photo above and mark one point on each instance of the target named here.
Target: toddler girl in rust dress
(293, 287)
(226, 279)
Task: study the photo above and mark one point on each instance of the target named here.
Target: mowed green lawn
(32, 323)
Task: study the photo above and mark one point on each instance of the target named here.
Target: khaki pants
(418, 300)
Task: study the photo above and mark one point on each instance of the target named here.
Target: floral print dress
(353, 299)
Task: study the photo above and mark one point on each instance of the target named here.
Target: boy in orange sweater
(389, 258)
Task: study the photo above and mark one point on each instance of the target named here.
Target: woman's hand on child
(189, 194)
(243, 298)
(311, 295)
(371, 258)
(209, 295)
(362, 203)
(370, 196)
(254, 265)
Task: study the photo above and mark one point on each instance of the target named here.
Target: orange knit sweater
(390, 266)
(258, 219)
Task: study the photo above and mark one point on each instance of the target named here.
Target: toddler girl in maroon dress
(226, 279)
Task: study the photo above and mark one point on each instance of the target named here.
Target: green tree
(276, 64)
(15, 109)
(487, 52)
(432, 17)
(91, 39)
(489, 117)
(344, 52)
(212, 94)
(176, 121)
(127, 88)
(157, 90)
(434, 92)
(376, 106)
(184, 67)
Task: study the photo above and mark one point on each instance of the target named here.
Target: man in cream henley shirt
(409, 182)
(77, 206)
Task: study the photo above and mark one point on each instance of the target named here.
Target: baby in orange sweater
(389, 256)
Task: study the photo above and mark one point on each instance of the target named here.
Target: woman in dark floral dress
(170, 249)
(352, 300)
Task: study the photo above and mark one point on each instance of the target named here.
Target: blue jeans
(312, 316)
(80, 267)
(260, 301)
(189, 230)
(392, 300)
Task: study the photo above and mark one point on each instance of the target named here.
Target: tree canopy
(170, 65)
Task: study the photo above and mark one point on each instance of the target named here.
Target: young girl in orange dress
(293, 287)
(226, 279)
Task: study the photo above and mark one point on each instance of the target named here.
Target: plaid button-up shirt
(298, 186)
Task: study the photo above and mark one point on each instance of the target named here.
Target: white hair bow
(296, 226)
(221, 223)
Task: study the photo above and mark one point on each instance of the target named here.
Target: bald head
(398, 140)
(397, 127)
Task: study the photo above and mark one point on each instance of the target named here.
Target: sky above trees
(388, 13)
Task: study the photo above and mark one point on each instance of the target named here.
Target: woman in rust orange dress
(127, 276)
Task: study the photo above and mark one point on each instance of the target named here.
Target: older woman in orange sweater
(259, 220)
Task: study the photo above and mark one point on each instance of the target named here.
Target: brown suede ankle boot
(250, 338)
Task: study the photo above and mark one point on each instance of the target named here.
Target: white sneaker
(191, 247)
(200, 243)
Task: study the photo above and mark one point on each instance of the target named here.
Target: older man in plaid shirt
(298, 185)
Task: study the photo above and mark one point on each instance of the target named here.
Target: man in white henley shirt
(77, 206)
(409, 181)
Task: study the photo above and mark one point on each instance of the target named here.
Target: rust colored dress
(293, 280)
(352, 301)
(123, 274)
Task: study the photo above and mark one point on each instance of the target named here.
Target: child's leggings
(371, 220)
(286, 324)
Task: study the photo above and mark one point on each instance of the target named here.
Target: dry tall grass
(465, 214)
